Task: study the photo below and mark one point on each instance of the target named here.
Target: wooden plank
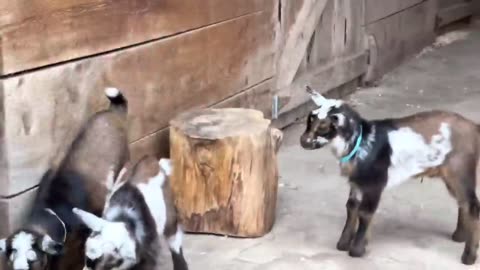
(45, 108)
(39, 32)
(257, 97)
(297, 40)
(448, 3)
(13, 211)
(323, 79)
(402, 35)
(454, 13)
(379, 9)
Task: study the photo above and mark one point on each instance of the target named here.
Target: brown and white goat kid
(138, 211)
(377, 155)
(52, 236)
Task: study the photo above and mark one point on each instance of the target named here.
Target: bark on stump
(225, 175)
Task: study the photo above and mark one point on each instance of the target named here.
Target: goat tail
(117, 99)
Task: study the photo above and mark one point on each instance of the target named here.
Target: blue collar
(348, 157)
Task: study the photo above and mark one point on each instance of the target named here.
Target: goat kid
(381, 154)
(138, 211)
(51, 229)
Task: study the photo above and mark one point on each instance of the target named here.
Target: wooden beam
(297, 40)
(454, 13)
(37, 33)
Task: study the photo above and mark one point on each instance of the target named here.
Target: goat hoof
(459, 236)
(343, 245)
(357, 251)
(468, 258)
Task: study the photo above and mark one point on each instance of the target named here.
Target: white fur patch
(412, 155)
(367, 143)
(112, 92)
(166, 165)
(153, 195)
(339, 146)
(22, 250)
(3, 245)
(341, 119)
(113, 240)
(325, 108)
(175, 241)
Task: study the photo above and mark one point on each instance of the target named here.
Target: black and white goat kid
(52, 237)
(139, 210)
(380, 154)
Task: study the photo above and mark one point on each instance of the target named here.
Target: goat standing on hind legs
(380, 154)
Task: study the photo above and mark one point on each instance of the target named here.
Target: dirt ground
(414, 222)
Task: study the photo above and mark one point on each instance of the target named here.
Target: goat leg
(350, 227)
(366, 210)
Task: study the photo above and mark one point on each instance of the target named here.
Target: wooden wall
(169, 56)
(56, 57)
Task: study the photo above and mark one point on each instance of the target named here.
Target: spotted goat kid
(52, 237)
(377, 155)
(139, 210)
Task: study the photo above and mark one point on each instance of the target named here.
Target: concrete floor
(413, 224)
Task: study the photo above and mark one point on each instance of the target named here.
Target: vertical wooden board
(44, 109)
(339, 28)
(379, 9)
(402, 35)
(38, 32)
(355, 33)
(13, 211)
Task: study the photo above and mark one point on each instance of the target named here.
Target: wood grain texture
(225, 176)
(258, 97)
(43, 109)
(297, 39)
(41, 32)
(336, 53)
(402, 35)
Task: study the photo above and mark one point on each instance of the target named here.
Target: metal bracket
(275, 107)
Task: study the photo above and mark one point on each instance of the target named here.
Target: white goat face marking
(113, 241)
(412, 155)
(23, 252)
(341, 119)
(326, 107)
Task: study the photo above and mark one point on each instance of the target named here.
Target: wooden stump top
(215, 124)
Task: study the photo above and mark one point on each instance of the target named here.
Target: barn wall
(166, 57)
(169, 56)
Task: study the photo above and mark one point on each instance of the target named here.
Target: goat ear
(51, 246)
(317, 98)
(3, 245)
(93, 222)
(166, 165)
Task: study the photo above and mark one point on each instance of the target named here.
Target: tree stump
(225, 175)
